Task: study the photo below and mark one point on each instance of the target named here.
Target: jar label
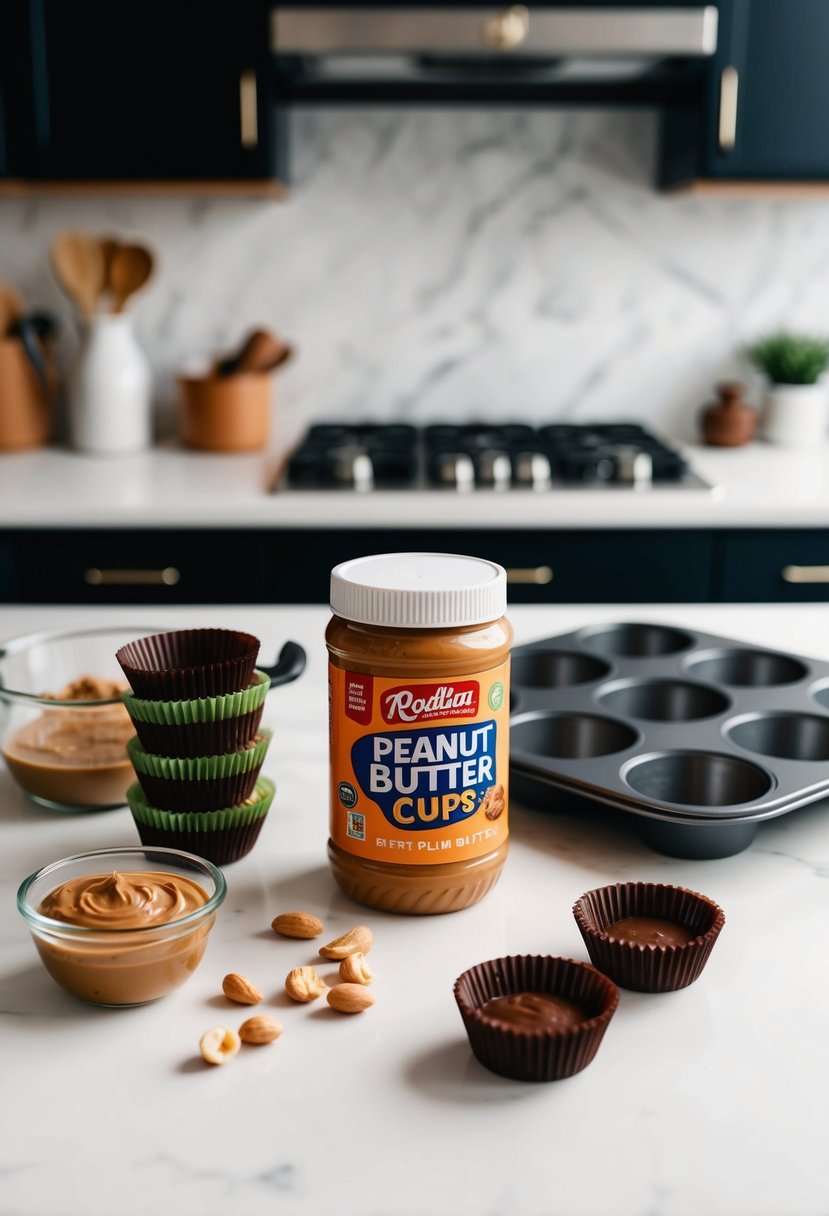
(419, 768)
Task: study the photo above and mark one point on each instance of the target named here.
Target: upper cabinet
(766, 97)
(172, 91)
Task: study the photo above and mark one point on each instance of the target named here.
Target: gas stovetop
(481, 456)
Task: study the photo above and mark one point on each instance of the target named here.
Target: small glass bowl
(122, 967)
(66, 755)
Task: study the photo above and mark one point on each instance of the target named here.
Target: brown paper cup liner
(533, 1054)
(187, 664)
(220, 847)
(198, 738)
(211, 794)
(637, 965)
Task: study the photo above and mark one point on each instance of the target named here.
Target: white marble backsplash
(458, 264)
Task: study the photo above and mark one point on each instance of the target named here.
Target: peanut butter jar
(418, 671)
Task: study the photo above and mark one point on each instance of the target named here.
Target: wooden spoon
(11, 308)
(260, 352)
(129, 269)
(78, 263)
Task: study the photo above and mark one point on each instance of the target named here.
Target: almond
(260, 1029)
(358, 939)
(237, 988)
(350, 998)
(304, 985)
(219, 1044)
(355, 969)
(297, 924)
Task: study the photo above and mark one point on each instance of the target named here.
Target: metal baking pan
(700, 737)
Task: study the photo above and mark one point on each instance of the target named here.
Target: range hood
(522, 53)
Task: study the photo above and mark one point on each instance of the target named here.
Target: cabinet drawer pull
(729, 88)
(248, 122)
(805, 574)
(535, 576)
(507, 31)
(168, 577)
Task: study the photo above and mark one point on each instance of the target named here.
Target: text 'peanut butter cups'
(535, 1017)
(648, 937)
(189, 663)
(220, 836)
(199, 783)
(208, 726)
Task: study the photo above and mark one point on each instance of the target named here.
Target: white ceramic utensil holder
(796, 415)
(110, 407)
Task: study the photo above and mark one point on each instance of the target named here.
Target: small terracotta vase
(731, 421)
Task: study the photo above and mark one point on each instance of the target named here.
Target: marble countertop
(756, 486)
(709, 1100)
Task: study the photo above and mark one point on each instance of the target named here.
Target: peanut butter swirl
(123, 901)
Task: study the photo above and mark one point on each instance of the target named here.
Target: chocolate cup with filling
(186, 664)
(198, 738)
(221, 836)
(554, 1028)
(648, 937)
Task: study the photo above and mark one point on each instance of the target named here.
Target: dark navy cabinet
(773, 565)
(94, 91)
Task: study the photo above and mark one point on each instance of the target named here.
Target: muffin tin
(700, 737)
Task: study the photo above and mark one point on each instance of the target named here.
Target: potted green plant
(795, 402)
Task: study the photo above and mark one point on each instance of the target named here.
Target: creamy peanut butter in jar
(418, 669)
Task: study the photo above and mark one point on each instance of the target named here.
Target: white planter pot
(795, 415)
(110, 390)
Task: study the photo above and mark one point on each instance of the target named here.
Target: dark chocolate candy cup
(186, 664)
(641, 966)
(198, 738)
(210, 794)
(221, 847)
(535, 1054)
(235, 833)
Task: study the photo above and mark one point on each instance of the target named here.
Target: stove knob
(494, 469)
(352, 467)
(456, 469)
(633, 466)
(532, 470)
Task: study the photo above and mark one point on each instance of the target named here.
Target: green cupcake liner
(205, 709)
(202, 821)
(199, 768)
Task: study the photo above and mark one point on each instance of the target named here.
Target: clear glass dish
(119, 967)
(67, 755)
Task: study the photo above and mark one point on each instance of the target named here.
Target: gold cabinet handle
(533, 576)
(805, 574)
(729, 88)
(168, 577)
(508, 30)
(248, 120)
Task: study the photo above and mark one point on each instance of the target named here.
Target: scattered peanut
(355, 969)
(297, 924)
(237, 988)
(260, 1029)
(356, 940)
(219, 1044)
(350, 998)
(304, 985)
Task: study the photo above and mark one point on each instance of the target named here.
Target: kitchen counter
(709, 1100)
(756, 486)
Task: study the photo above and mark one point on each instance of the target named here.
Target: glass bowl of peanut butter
(125, 926)
(63, 726)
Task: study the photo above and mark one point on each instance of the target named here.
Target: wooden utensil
(129, 269)
(78, 263)
(260, 352)
(108, 246)
(11, 308)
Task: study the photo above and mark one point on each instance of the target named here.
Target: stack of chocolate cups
(196, 705)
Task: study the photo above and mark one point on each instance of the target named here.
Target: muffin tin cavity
(663, 700)
(789, 736)
(636, 641)
(698, 738)
(697, 779)
(571, 736)
(556, 668)
(747, 668)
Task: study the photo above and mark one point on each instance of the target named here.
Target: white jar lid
(419, 590)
